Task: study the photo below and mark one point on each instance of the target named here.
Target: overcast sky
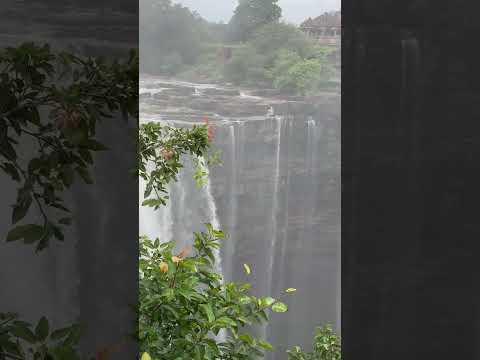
(295, 11)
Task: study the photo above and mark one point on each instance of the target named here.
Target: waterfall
(311, 151)
(274, 222)
(283, 251)
(273, 197)
(206, 191)
(213, 218)
(276, 182)
(230, 242)
(310, 141)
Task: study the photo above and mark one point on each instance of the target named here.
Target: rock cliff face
(276, 195)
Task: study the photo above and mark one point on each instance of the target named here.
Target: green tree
(281, 56)
(291, 72)
(163, 53)
(268, 39)
(247, 68)
(297, 74)
(251, 15)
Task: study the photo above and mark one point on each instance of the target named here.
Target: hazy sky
(294, 11)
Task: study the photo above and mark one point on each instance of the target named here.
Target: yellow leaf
(146, 356)
(290, 290)
(164, 267)
(247, 269)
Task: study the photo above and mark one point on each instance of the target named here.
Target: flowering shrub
(160, 154)
(187, 312)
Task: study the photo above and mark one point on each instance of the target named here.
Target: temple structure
(326, 28)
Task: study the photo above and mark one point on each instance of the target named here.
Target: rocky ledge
(225, 102)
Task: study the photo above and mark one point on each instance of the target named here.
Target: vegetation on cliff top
(255, 49)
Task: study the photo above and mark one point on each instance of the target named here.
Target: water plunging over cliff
(276, 195)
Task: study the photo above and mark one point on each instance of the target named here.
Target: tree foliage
(268, 39)
(281, 56)
(296, 74)
(171, 36)
(327, 346)
(160, 154)
(50, 104)
(250, 15)
(186, 311)
(20, 340)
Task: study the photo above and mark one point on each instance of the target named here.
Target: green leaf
(225, 322)
(152, 202)
(267, 302)
(20, 210)
(12, 171)
(58, 233)
(30, 233)
(245, 300)
(60, 333)
(209, 312)
(67, 175)
(247, 269)
(85, 154)
(23, 332)
(75, 135)
(247, 338)
(279, 307)
(265, 345)
(290, 290)
(84, 174)
(42, 329)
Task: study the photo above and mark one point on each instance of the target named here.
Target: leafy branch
(51, 104)
(160, 157)
(20, 340)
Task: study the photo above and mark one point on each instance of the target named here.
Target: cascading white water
(311, 127)
(212, 211)
(276, 182)
(244, 95)
(274, 222)
(230, 243)
(283, 251)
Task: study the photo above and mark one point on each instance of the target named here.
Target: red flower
(210, 129)
(167, 154)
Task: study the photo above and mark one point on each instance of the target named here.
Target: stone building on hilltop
(326, 28)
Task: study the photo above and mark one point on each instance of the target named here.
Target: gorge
(276, 194)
